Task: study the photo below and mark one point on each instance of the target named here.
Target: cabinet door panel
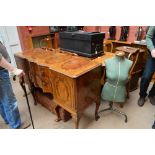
(45, 76)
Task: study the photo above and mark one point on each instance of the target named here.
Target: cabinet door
(45, 79)
(64, 90)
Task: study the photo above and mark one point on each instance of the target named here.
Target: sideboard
(73, 81)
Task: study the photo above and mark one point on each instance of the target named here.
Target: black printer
(89, 44)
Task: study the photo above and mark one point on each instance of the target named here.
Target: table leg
(96, 109)
(76, 119)
(57, 109)
(32, 90)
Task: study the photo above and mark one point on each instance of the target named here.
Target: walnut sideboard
(73, 81)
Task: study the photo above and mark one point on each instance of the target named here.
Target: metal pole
(22, 83)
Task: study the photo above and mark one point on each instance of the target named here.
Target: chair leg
(115, 110)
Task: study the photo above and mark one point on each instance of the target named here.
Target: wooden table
(73, 81)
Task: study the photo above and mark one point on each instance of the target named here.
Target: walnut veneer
(73, 81)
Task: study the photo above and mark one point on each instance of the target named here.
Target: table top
(128, 49)
(63, 62)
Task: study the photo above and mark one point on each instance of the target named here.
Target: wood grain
(74, 81)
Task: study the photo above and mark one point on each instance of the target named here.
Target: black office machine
(89, 44)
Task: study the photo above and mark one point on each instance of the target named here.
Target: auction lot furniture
(73, 81)
(134, 54)
(129, 48)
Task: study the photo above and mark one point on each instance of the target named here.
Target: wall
(26, 41)
(10, 39)
(132, 31)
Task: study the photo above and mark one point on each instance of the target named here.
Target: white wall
(9, 37)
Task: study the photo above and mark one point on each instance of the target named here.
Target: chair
(133, 71)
